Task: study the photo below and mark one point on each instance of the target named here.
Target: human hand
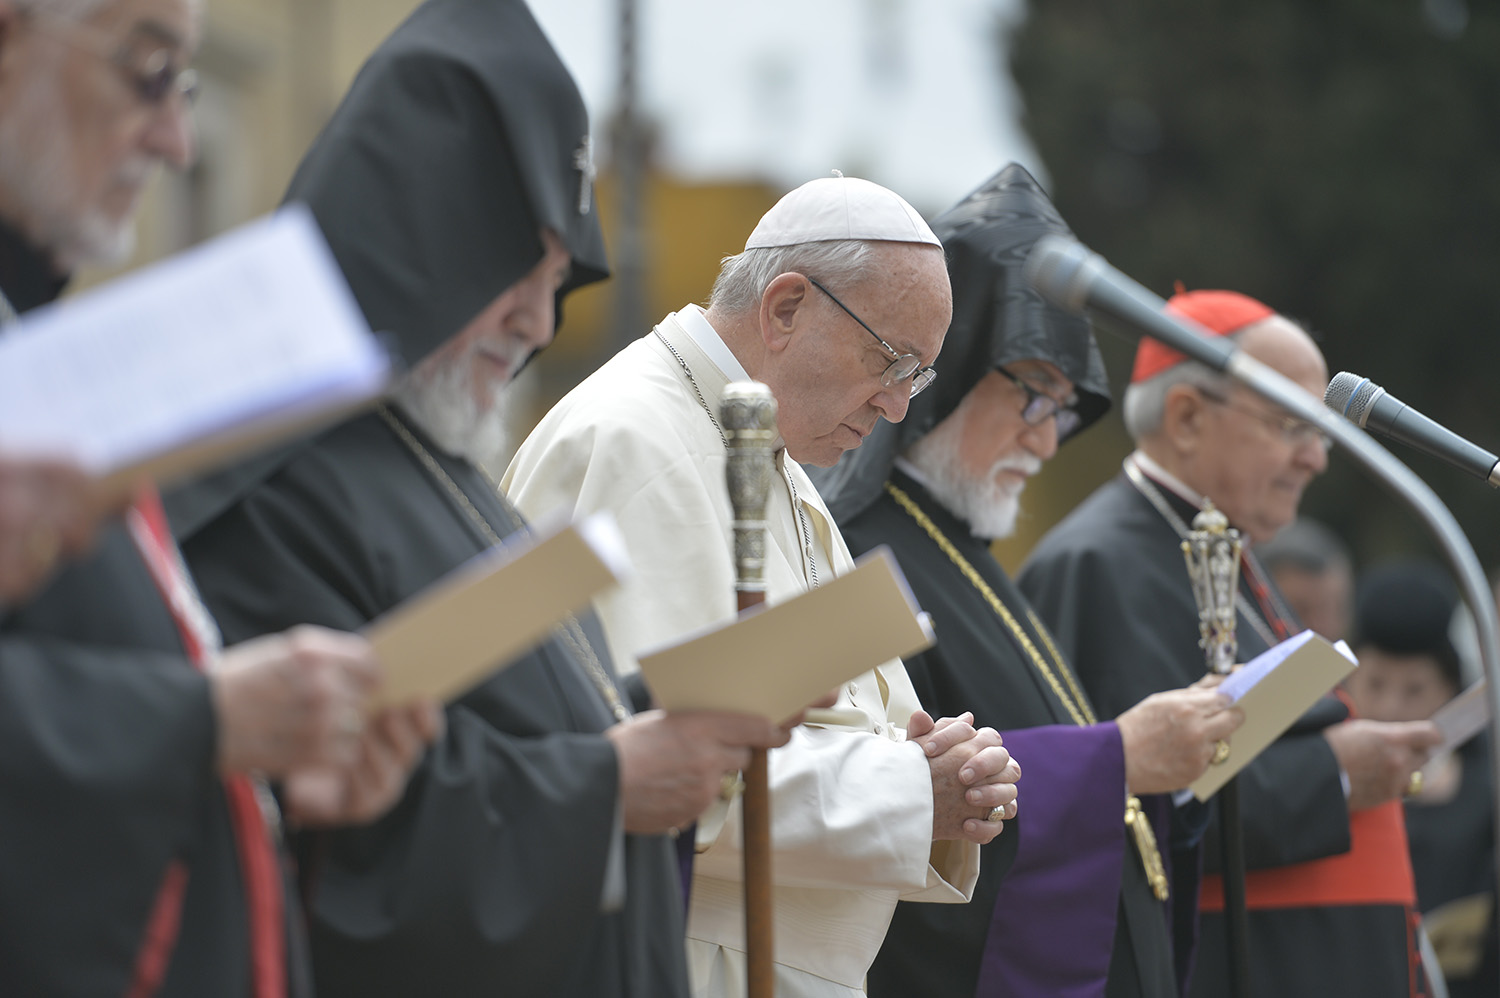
(1169, 737)
(672, 764)
(292, 700)
(392, 743)
(1380, 756)
(972, 774)
(49, 509)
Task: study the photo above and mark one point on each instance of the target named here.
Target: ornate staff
(1212, 550)
(748, 416)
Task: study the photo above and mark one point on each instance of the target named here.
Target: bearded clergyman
(1083, 910)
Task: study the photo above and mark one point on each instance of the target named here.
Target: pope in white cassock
(838, 303)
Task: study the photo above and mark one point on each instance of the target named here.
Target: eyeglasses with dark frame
(1294, 431)
(153, 80)
(1040, 407)
(905, 365)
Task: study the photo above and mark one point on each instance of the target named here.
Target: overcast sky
(910, 94)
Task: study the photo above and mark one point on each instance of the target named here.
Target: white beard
(439, 398)
(989, 507)
(38, 170)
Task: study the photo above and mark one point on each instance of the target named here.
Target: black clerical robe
(1111, 583)
(486, 879)
(107, 772)
(1075, 910)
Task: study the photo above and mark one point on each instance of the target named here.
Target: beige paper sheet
(1274, 703)
(774, 661)
(483, 615)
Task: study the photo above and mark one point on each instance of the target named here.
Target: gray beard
(441, 402)
(988, 507)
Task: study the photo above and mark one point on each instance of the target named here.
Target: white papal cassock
(851, 804)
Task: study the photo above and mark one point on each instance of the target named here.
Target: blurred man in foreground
(137, 839)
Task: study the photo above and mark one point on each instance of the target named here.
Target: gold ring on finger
(997, 814)
(1414, 784)
(1221, 753)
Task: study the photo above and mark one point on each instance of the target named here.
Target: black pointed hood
(997, 319)
(461, 137)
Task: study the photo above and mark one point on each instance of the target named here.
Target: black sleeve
(106, 766)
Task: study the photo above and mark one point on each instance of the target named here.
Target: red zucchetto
(1218, 312)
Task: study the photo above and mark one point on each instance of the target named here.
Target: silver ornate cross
(1212, 550)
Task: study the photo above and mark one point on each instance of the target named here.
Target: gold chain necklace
(1077, 705)
(570, 631)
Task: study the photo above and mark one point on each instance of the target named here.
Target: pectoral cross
(583, 162)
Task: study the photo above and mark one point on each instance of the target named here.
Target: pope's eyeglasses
(905, 365)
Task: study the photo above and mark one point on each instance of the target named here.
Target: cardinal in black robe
(461, 141)
(1329, 891)
(1077, 913)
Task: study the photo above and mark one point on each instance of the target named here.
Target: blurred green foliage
(1339, 160)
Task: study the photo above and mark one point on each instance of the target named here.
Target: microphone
(1071, 277)
(1373, 408)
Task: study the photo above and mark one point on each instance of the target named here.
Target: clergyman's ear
(780, 310)
(1182, 414)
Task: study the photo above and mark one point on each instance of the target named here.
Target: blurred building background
(1339, 160)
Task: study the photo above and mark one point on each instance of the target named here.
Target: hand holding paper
(49, 509)
(1273, 690)
(672, 764)
(1380, 756)
(1169, 737)
(388, 749)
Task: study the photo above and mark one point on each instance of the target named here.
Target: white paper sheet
(1461, 718)
(255, 325)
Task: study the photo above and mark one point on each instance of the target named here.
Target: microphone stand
(1070, 276)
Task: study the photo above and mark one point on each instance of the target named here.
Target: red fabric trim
(161, 933)
(1375, 870)
(258, 867)
(262, 876)
(1262, 593)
